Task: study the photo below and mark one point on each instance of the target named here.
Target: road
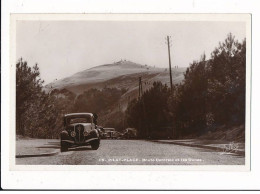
(134, 152)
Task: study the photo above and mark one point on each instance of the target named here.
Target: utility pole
(146, 130)
(139, 98)
(140, 87)
(169, 53)
(169, 43)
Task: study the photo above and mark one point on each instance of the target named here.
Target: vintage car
(129, 133)
(108, 132)
(79, 130)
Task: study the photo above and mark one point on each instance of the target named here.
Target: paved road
(135, 152)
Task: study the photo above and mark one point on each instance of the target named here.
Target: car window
(79, 120)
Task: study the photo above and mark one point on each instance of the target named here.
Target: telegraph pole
(170, 68)
(140, 87)
(169, 53)
(146, 130)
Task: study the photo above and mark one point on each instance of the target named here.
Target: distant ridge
(121, 74)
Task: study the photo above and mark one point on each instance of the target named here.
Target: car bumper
(81, 143)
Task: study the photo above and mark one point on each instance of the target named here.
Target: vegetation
(39, 113)
(95, 100)
(211, 95)
(151, 111)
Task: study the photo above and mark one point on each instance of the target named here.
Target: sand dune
(122, 74)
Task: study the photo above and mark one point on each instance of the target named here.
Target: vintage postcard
(130, 91)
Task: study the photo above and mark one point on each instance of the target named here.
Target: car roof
(78, 114)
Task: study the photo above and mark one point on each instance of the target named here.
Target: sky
(63, 48)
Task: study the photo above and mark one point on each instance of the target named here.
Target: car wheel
(94, 144)
(63, 146)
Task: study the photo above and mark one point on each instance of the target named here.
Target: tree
(227, 81)
(190, 96)
(28, 92)
(150, 113)
(38, 113)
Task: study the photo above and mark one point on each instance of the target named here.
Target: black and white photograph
(138, 92)
(130, 95)
(130, 92)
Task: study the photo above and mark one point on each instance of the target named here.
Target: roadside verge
(216, 145)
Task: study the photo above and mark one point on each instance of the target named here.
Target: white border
(127, 179)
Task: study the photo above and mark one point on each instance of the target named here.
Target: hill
(121, 75)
